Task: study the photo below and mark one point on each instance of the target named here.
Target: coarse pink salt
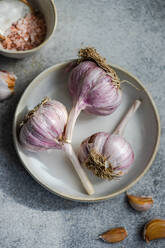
(27, 33)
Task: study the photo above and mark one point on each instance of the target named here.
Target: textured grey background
(130, 34)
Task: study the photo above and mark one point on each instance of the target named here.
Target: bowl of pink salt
(25, 26)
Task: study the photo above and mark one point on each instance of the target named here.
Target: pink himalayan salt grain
(26, 33)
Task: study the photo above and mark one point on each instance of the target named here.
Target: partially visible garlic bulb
(43, 129)
(107, 155)
(94, 87)
(7, 83)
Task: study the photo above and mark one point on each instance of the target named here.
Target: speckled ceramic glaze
(52, 170)
(48, 9)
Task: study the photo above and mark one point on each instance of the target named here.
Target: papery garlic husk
(43, 127)
(93, 90)
(154, 229)
(107, 156)
(7, 84)
(140, 203)
(94, 87)
(114, 235)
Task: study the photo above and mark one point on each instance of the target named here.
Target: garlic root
(109, 156)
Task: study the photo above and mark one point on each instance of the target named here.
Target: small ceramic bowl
(48, 9)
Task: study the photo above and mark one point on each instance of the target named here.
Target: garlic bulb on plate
(94, 87)
(107, 155)
(43, 129)
(7, 83)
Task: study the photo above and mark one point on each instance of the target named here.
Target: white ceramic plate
(51, 168)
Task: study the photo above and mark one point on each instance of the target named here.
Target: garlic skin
(114, 235)
(154, 229)
(7, 83)
(140, 203)
(107, 156)
(94, 87)
(43, 127)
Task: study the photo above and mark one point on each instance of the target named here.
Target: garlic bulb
(7, 83)
(43, 129)
(107, 155)
(94, 87)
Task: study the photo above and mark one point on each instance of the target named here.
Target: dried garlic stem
(74, 113)
(128, 82)
(121, 126)
(81, 173)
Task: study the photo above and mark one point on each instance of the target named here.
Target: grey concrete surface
(132, 35)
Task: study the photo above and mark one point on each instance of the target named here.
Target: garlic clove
(154, 229)
(114, 235)
(140, 203)
(7, 83)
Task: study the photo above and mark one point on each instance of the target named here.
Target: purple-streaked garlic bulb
(107, 155)
(94, 87)
(7, 83)
(43, 129)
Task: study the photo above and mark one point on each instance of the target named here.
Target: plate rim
(101, 198)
